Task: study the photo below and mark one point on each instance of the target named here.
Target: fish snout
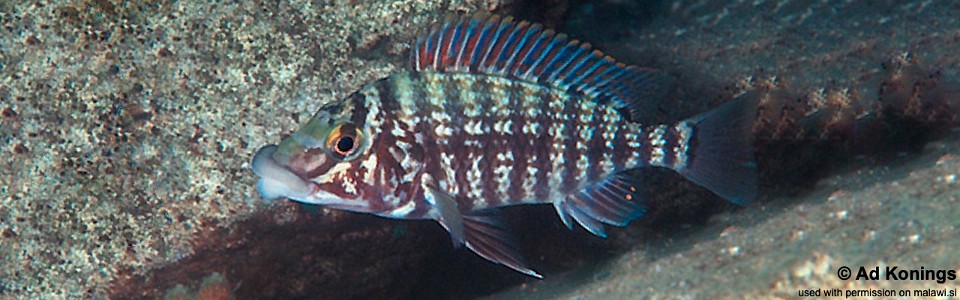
(276, 181)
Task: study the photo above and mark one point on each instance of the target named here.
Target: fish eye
(342, 142)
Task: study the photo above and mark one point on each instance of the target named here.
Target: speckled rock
(127, 127)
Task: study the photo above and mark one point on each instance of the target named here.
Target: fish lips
(276, 181)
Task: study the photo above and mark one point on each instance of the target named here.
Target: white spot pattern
(657, 142)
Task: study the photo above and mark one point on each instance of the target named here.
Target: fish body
(493, 113)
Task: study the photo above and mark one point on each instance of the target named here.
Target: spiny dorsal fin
(499, 46)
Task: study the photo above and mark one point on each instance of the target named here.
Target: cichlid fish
(493, 112)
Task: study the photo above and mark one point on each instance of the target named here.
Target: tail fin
(721, 156)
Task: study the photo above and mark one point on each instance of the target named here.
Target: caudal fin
(720, 156)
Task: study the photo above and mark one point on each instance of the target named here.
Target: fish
(494, 112)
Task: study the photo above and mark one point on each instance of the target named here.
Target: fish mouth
(277, 181)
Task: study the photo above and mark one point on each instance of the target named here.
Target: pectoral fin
(446, 212)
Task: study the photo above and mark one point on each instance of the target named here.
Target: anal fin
(488, 236)
(611, 201)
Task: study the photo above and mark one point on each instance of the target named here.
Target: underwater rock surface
(127, 130)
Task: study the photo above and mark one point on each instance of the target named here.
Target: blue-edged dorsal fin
(500, 46)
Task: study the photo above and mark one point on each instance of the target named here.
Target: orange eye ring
(343, 141)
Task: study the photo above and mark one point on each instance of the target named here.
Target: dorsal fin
(499, 46)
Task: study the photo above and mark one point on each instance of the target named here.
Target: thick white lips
(275, 180)
(279, 182)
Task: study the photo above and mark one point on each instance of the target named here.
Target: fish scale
(493, 113)
(562, 112)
